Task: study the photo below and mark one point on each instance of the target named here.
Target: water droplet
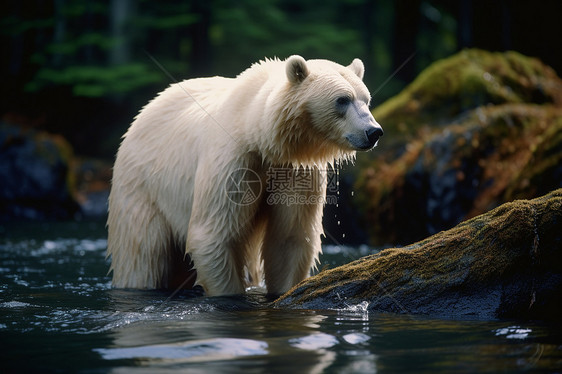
(339, 222)
(343, 235)
(352, 192)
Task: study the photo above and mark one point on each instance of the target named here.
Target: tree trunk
(121, 11)
(406, 28)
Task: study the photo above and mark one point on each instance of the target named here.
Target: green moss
(462, 82)
(543, 172)
(499, 248)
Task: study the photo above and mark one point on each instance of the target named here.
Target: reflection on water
(57, 307)
(192, 351)
(514, 332)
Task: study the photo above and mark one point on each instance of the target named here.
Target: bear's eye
(343, 101)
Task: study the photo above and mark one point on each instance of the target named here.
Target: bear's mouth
(366, 141)
(368, 147)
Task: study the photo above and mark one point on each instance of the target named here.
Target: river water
(58, 313)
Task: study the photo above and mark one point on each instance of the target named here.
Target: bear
(171, 219)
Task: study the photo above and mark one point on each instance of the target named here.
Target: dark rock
(501, 153)
(502, 264)
(35, 178)
(93, 183)
(341, 222)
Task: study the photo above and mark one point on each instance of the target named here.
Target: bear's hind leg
(138, 243)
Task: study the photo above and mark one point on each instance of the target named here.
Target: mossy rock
(462, 82)
(471, 132)
(496, 154)
(502, 264)
(36, 178)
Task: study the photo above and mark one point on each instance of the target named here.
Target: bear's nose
(373, 134)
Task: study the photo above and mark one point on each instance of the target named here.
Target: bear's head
(327, 110)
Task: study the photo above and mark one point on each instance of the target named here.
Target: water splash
(362, 307)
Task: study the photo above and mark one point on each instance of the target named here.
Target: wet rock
(470, 133)
(496, 155)
(502, 264)
(35, 181)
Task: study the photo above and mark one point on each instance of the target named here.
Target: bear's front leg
(216, 260)
(291, 245)
(219, 228)
(292, 240)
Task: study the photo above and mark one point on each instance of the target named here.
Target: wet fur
(168, 199)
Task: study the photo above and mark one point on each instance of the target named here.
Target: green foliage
(166, 22)
(96, 81)
(13, 26)
(274, 29)
(97, 47)
(74, 9)
(73, 46)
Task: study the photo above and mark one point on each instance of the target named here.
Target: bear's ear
(358, 68)
(296, 69)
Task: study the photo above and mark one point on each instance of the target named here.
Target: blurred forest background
(81, 70)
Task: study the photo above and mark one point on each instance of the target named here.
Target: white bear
(201, 138)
